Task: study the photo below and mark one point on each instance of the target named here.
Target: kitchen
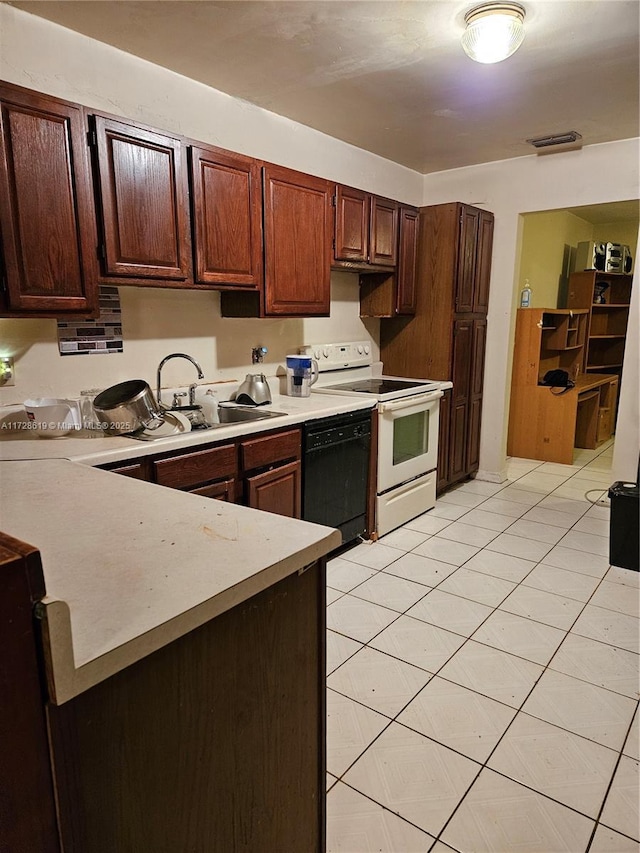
(151, 327)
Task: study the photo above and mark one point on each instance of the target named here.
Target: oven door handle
(409, 402)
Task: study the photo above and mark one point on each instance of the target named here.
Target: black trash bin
(623, 530)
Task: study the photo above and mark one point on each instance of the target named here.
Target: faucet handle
(177, 399)
(258, 354)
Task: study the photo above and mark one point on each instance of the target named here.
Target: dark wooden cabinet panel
(447, 337)
(227, 218)
(142, 177)
(47, 219)
(407, 261)
(28, 822)
(483, 263)
(352, 215)
(137, 471)
(298, 237)
(213, 743)
(462, 353)
(467, 250)
(383, 249)
(473, 436)
(224, 490)
(457, 440)
(188, 470)
(444, 428)
(270, 449)
(278, 490)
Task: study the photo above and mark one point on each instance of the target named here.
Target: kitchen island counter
(129, 566)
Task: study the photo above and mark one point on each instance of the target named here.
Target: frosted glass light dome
(494, 31)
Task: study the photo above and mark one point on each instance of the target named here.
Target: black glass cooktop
(379, 385)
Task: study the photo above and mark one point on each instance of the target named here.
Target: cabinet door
(352, 212)
(483, 262)
(479, 336)
(444, 428)
(297, 233)
(462, 353)
(467, 250)
(383, 248)
(278, 490)
(227, 218)
(47, 219)
(407, 261)
(143, 187)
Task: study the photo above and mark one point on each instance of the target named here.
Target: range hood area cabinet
(393, 293)
(48, 257)
(366, 230)
(446, 338)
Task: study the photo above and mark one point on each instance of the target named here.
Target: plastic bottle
(525, 295)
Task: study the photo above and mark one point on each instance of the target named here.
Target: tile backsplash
(101, 336)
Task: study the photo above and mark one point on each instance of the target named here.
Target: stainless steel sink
(241, 414)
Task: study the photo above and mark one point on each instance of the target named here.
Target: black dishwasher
(336, 471)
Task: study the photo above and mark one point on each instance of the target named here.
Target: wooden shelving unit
(546, 423)
(606, 296)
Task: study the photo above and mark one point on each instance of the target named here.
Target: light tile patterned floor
(483, 675)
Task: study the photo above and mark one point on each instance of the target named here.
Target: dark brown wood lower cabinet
(214, 743)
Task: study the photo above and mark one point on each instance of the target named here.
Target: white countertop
(130, 566)
(98, 449)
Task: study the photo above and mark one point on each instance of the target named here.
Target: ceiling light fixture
(494, 31)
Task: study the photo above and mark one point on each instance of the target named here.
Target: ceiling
(391, 77)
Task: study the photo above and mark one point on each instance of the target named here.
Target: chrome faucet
(192, 388)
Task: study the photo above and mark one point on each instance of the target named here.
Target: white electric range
(408, 415)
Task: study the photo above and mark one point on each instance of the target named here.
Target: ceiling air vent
(571, 137)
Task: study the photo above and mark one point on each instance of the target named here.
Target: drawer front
(192, 469)
(136, 470)
(270, 449)
(224, 490)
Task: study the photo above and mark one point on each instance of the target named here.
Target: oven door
(407, 438)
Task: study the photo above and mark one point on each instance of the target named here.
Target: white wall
(593, 175)
(48, 58)
(627, 445)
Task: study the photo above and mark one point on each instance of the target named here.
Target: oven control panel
(342, 355)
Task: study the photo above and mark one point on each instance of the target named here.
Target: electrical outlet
(7, 374)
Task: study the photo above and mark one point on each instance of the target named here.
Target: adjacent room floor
(483, 671)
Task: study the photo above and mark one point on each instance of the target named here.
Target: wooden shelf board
(602, 366)
(605, 337)
(611, 305)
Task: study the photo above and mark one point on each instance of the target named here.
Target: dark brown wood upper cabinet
(483, 262)
(366, 231)
(47, 218)
(469, 218)
(383, 250)
(142, 176)
(409, 219)
(353, 209)
(226, 199)
(297, 235)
